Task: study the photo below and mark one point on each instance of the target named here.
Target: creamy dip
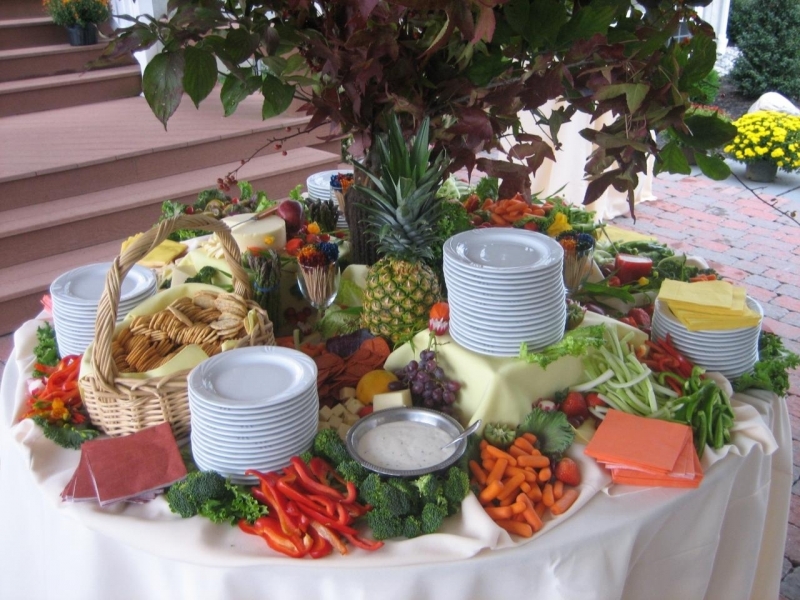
(405, 446)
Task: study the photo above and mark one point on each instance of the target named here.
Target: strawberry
(574, 405)
(568, 472)
(593, 399)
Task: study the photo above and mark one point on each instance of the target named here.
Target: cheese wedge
(391, 400)
(269, 232)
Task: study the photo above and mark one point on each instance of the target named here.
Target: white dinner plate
(493, 348)
(248, 451)
(495, 299)
(504, 250)
(253, 377)
(84, 285)
(226, 436)
(499, 292)
(662, 313)
(481, 274)
(322, 181)
(261, 423)
(511, 329)
(507, 336)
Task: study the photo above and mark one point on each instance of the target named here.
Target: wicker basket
(120, 405)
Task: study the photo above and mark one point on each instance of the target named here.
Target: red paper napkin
(126, 468)
(642, 451)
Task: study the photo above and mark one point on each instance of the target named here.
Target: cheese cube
(391, 400)
(350, 418)
(338, 410)
(353, 405)
(347, 392)
(342, 430)
(323, 425)
(335, 421)
(325, 413)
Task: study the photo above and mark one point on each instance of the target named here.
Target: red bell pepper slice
(270, 531)
(370, 545)
(310, 483)
(329, 535)
(321, 547)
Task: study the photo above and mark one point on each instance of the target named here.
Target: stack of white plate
(319, 188)
(75, 295)
(731, 352)
(252, 408)
(505, 286)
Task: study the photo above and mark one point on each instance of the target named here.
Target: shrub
(705, 91)
(769, 42)
(77, 12)
(736, 20)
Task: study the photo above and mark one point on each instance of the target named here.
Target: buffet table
(723, 540)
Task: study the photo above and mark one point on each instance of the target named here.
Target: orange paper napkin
(130, 468)
(642, 451)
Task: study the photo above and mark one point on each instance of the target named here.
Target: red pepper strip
(674, 384)
(684, 367)
(293, 510)
(46, 369)
(653, 364)
(357, 510)
(669, 348)
(311, 484)
(322, 469)
(331, 522)
(344, 515)
(287, 490)
(270, 530)
(329, 535)
(369, 545)
(276, 502)
(321, 546)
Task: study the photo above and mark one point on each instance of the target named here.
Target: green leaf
(199, 73)
(549, 18)
(712, 167)
(275, 64)
(162, 84)
(702, 53)
(234, 90)
(587, 21)
(277, 96)
(672, 159)
(294, 62)
(517, 12)
(240, 45)
(485, 67)
(706, 132)
(635, 93)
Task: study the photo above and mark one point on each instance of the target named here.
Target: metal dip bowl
(425, 416)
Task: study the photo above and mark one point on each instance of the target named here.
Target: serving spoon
(467, 432)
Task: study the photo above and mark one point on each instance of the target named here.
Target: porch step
(72, 89)
(30, 32)
(21, 9)
(43, 61)
(32, 232)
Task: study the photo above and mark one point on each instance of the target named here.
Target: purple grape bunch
(430, 387)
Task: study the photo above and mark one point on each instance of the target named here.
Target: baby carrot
(497, 471)
(488, 464)
(537, 462)
(483, 444)
(498, 454)
(529, 514)
(540, 508)
(521, 529)
(545, 475)
(558, 489)
(525, 486)
(535, 494)
(547, 495)
(507, 501)
(562, 505)
(511, 485)
(497, 219)
(516, 451)
(517, 508)
(490, 492)
(522, 444)
(499, 512)
(530, 437)
(477, 472)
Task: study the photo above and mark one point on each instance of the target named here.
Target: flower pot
(762, 171)
(82, 35)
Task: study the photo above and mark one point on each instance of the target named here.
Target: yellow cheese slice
(269, 232)
(163, 254)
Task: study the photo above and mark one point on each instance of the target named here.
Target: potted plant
(80, 17)
(765, 142)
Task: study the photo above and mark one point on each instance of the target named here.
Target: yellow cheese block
(163, 254)
(391, 400)
(269, 232)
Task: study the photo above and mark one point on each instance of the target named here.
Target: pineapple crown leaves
(405, 207)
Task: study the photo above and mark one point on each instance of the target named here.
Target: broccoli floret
(429, 487)
(409, 491)
(455, 488)
(328, 445)
(352, 471)
(307, 456)
(412, 527)
(384, 525)
(187, 496)
(395, 496)
(369, 489)
(432, 517)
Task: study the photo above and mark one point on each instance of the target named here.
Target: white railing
(134, 8)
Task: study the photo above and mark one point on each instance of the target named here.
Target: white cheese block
(342, 430)
(338, 410)
(335, 421)
(325, 413)
(391, 400)
(350, 418)
(323, 425)
(269, 232)
(353, 405)
(347, 392)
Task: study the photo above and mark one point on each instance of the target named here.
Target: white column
(716, 14)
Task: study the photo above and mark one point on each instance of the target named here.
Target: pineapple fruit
(401, 287)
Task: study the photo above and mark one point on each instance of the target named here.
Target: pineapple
(401, 287)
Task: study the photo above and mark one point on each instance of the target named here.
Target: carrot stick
(499, 512)
(545, 475)
(547, 495)
(497, 219)
(498, 454)
(507, 501)
(535, 494)
(558, 489)
(488, 464)
(483, 444)
(537, 462)
(522, 444)
(516, 451)
(530, 437)
(525, 486)
(511, 485)
(521, 529)
(529, 514)
(517, 508)
(497, 471)
(540, 508)
(562, 505)
(490, 492)
(477, 472)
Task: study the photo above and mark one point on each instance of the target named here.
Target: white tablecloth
(724, 540)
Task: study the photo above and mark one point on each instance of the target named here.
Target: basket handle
(104, 366)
